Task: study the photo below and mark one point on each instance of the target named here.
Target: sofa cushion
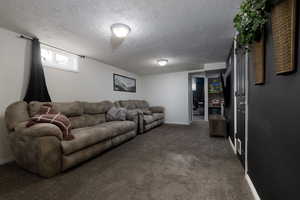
(141, 104)
(153, 124)
(117, 104)
(116, 114)
(158, 116)
(78, 122)
(87, 120)
(129, 104)
(122, 138)
(157, 109)
(97, 108)
(118, 127)
(134, 104)
(69, 109)
(84, 137)
(146, 111)
(87, 153)
(149, 119)
(154, 117)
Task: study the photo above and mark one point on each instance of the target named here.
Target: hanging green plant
(250, 21)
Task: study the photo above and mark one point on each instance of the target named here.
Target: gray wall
(274, 131)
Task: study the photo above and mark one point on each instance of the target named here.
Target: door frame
(235, 92)
(200, 75)
(246, 104)
(246, 109)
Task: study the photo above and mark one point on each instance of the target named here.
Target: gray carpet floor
(170, 162)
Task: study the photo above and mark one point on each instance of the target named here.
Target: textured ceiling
(187, 32)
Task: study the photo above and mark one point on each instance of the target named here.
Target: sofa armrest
(41, 155)
(40, 130)
(157, 109)
(132, 115)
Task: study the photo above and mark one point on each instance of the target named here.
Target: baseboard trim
(232, 145)
(178, 123)
(252, 187)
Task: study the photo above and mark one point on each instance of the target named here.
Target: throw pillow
(116, 114)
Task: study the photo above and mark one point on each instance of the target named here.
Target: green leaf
(250, 20)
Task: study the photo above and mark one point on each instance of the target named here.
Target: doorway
(197, 96)
(198, 92)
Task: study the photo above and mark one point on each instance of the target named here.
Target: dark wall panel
(274, 130)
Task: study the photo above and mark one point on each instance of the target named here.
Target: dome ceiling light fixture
(162, 62)
(120, 30)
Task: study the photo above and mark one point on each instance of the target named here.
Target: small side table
(217, 126)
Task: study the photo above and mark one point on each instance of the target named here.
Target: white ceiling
(187, 32)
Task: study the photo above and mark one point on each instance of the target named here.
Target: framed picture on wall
(259, 61)
(124, 83)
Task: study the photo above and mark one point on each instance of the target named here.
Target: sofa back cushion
(134, 104)
(81, 114)
(141, 104)
(96, 108)
(116, 114)
(15, 114)
(128, 104)
(69, 109)
(93, 114)
(86, 120)
(117, 104)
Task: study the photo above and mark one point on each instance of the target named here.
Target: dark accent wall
(274, 130)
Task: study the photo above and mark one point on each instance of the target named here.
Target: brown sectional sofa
(41, 149)
(149, 117)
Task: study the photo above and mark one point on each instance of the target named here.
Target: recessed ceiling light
(162, 62)
(120, 30)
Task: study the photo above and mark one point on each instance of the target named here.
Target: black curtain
(37, 87)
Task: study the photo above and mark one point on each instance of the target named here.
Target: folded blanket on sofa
(48, 115)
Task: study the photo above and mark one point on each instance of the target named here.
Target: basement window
(55, 58)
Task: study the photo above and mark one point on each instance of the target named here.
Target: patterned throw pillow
(116, 114)
(47, 114)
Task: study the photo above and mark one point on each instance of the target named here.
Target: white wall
(92, 83)
(13, 59)
(171, 91)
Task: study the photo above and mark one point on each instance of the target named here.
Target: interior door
(241, 105)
